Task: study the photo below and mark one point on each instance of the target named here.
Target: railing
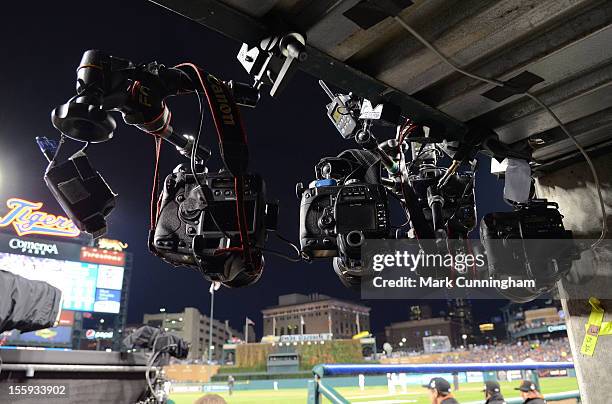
(317, 387)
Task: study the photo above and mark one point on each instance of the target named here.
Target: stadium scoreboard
(90, 279)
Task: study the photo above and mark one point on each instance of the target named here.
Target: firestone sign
(27, 218)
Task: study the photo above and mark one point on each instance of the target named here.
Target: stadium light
(404, 339)
(401, 344)
(162, 310)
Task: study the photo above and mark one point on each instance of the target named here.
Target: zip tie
(593, 327)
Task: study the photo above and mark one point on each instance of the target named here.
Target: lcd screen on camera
(356, 217)
(224, 213)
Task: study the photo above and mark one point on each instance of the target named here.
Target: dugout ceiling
(563, 47)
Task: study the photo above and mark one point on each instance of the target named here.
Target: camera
(198, 227)
(338, 218)
(528, 243)
(215, 223)
(344, 206)
(79, 189)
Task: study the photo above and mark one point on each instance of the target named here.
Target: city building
(194, 328)
(420, 312)
(460, 312)
(408, 335)
(315, 314)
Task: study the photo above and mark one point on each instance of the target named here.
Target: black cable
(293, 245)
(150, 364)
(282, 255)
(300, 254)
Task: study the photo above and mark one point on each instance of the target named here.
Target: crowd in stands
(546, 350)
(549, 350)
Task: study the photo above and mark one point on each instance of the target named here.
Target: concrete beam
(572, 187)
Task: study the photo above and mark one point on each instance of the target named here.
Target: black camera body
(340, 217)
(82, 193)
(528, 243)
(193, 225)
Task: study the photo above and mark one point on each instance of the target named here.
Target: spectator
(210, 399)
(493, 393)
(529, 393)
(439, 391)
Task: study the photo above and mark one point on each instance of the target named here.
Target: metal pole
(98, 338)
(210, 331)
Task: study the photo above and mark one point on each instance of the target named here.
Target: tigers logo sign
(27, 219)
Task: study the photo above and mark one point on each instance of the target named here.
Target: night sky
(41, 47)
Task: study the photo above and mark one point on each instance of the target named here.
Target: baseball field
(468, 392)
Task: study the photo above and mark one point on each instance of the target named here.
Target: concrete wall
(573, 188)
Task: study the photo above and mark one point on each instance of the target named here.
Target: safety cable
(300, 254)
(154, 208)
(150, 364)
(57, 150)
(537, 100)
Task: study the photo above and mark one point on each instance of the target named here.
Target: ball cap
(526, 386)
(438, 383)
(492, 387)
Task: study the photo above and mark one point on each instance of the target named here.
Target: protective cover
(27, 305)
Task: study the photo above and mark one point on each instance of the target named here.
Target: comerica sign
(33, 247)
(27, 218)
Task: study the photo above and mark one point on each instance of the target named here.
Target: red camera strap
(232, 142)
